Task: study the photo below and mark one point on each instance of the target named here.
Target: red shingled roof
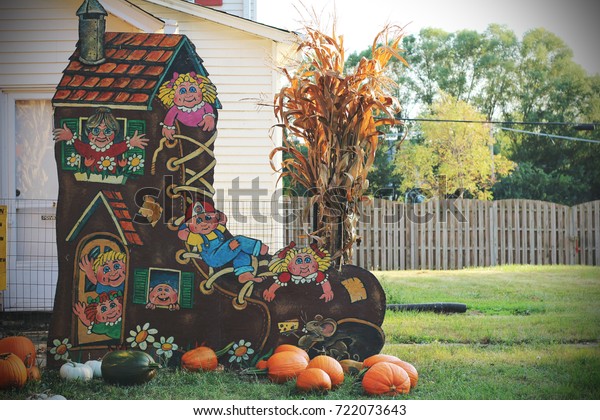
(120, 212)
(135, 66)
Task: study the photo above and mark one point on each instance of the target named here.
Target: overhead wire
(554, 136)
(582, 126)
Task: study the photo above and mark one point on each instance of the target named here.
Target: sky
(576, 22)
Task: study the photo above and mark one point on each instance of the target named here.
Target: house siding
(37, 37)
(241, 8)
(239, 64)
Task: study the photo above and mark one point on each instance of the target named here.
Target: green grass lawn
(528, 333)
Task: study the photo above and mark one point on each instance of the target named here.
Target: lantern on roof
(91, 32)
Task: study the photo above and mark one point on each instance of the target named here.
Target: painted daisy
(240, 351)
(73, 160)
(165, 346)
(142, 336)
(136, 162)
(60, 349)
(107, 163)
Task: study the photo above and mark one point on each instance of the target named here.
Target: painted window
(100, 287)
(163, 288)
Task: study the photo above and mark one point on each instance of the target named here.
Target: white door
(32, 261)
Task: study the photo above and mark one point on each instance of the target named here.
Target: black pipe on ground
(439, 307)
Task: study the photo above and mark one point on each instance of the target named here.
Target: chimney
(91, 32)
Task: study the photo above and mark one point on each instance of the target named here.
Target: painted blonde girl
(300, 266)
(189, 98)
(107, 272)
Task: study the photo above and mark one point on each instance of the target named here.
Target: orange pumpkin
(313, 379)
(386, 378)
(200, 358)
(331, 366)
(20, 346)
(285, 365)
(262, 364)
(291, 347)
(13, 373)
(34, 374)
(370, 361)
(411, 370)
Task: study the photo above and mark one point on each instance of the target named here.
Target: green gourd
(128, 367)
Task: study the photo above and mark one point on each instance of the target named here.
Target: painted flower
(73, 160)
(240, 351)
(165, 346)
(136, 162)
(61, 349)
(142, 336)
(107, 163)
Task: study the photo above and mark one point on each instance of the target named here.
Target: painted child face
(303, 265)
(188, 94)
(111, 273)
(162, 295)
(203, 223)
(101, 136)
(109, 311)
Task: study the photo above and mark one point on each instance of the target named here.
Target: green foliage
(550, 87)
(533, 79)
(383, 180)
(532, 182)
(453, 156)
(289, 187)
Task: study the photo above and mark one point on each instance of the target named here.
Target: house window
(35, 169)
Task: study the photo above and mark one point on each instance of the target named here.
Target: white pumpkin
(96, 366)
(76, 371)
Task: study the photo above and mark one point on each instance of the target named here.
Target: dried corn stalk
(337, 116)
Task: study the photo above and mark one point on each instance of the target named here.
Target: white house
(36, 39)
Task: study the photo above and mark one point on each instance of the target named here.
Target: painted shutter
(186, 294)
(68, 149)
(135, 125)
(140, 286)
(132, 127)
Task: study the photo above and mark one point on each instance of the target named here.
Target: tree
(454, 158)
(383, 181)
(551, 88)
(337, 116)
(500, 57)
(290, 188)
(531, 182)
(430, 61)
(533, 79)
(473, 67)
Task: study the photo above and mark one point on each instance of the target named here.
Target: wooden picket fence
(453, 234)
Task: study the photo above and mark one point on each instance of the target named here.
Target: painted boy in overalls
(205, 232)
